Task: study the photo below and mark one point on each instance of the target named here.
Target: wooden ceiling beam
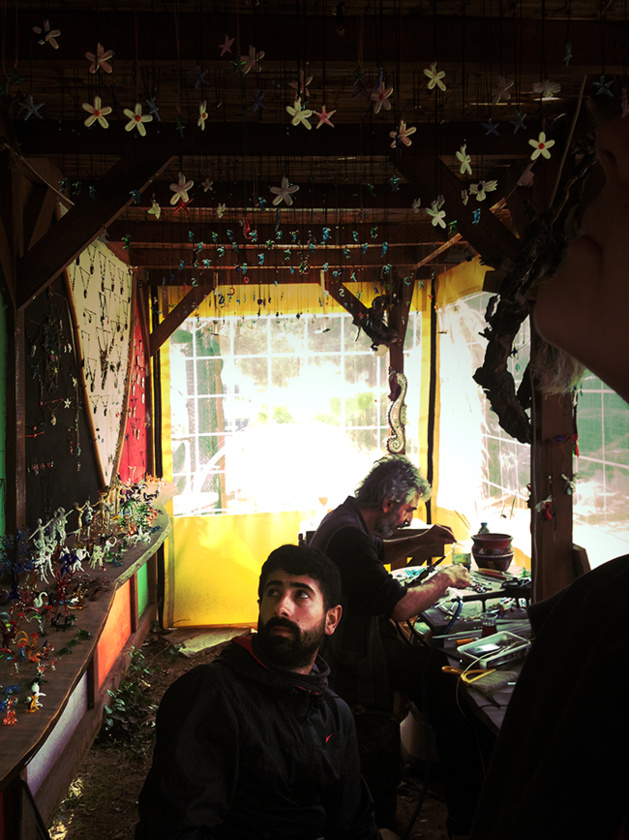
(257, 139)
(418, 38)
(486, 234)
(81, 225)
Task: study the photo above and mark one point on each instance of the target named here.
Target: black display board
(61, 465)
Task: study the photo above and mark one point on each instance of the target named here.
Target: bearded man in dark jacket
(255, 745)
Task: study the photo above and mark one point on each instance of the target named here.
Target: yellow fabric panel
(217, 562)
(467, 278)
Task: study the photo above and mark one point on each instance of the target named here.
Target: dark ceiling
(510, 69)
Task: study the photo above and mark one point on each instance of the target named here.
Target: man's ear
(388, 505)
(332, 618)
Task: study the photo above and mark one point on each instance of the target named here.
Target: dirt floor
(102, 799)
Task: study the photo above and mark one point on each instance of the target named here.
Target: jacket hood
(245, 656)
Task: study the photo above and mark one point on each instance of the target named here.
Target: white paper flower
(180, 189)
(402, 135)
(284, 192)
(48, 35)
(435, 78)
(465, 160)
(96, 113)
(416, 205)
(481, 189)
(546, 88)
(502, 90)
(541, 146)
(299, 114)
(202, 115)
(155, 209)
(436, 213)
(137, 119)
(220, 210)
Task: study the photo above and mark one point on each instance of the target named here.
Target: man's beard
(387, 525)
(289, 652)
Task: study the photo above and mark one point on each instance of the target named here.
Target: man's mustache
(282, 622)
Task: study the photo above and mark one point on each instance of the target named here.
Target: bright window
(280, 412)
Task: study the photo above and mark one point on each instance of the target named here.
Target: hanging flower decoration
(416, 205)
(380, 98)
(226, 46)
(299, 114)
(464, 160)
(32, 110)
(155, 209)
(518, 122)
(202, 115)
(301, 87)
(436, 213)
(48, 35)
(501, 91)
(220, 210)
(435, 78)
(324, 117)
(541, 146)
(96, 113)
(402, 135)
(252, 60)
(153, 108)
(284, 192)
(546, 88)
(465, 196)
(603, 86)
(101, 60)
(180, 189)
(207, 185)
(137, 119)
(481, 189)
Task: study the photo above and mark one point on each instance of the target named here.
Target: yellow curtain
(213, 563)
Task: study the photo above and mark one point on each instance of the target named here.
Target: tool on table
(467, 676)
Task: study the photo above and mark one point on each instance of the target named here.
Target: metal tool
(467, 676)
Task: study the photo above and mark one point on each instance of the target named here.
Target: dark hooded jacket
(248, 752)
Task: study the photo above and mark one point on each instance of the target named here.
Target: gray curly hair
(394, 478)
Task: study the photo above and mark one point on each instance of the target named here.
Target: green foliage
(129, 719)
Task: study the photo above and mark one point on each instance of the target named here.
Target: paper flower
(436, 213)
(180, 189)
(541, 146)
(32, 110)
(219, 212)
(137, 119)
(481, 189)
(96, 113)
(207, 185)
(502, 90)
(284, 192)
(101, 60)
(202, 115)
(491, 128)
(226, 46)
(435, 79)
(155, 209)
(324, 117)
(380, 98)
(153, 108)
(603, 86)
(546, 88)
(48, 35)
(518, 121)
(402, 135)
(299, 114)
(301, 87)
(465, 196)
(252, 60)
(464, 159)
(416, 205)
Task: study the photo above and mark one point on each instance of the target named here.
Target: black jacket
(247, 752)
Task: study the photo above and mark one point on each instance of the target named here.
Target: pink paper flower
(380, 98)
(101, 60)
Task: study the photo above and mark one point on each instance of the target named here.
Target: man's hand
(459, 576)
(438, 534)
